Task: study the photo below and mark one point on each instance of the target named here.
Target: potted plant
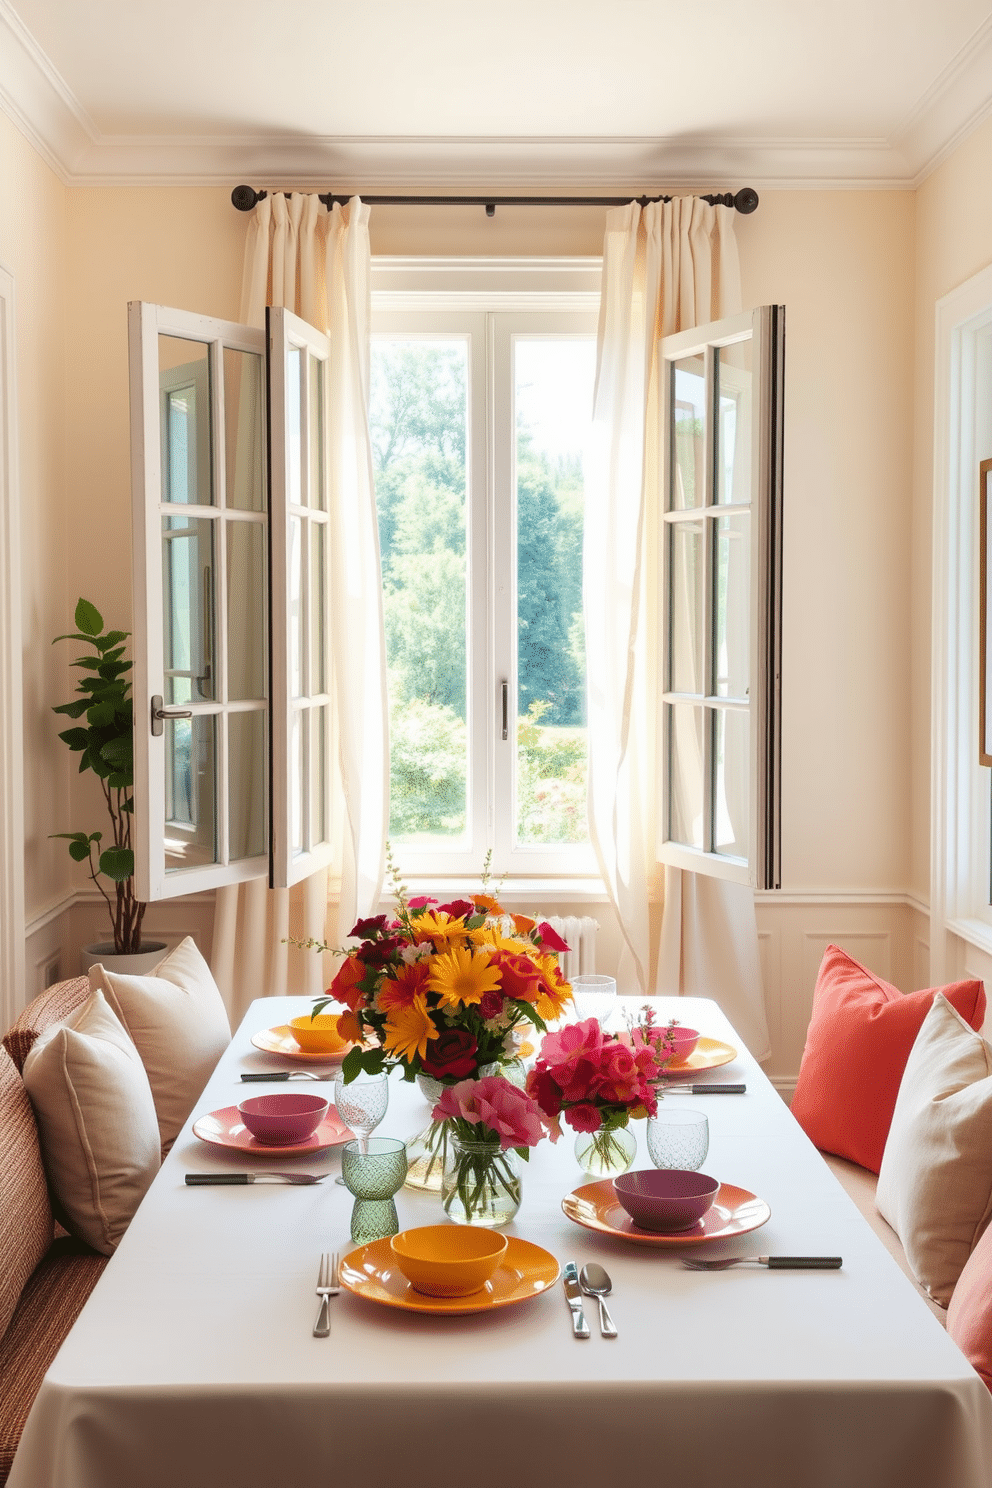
(104, 738)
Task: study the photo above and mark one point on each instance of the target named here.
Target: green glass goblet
(373, 1175)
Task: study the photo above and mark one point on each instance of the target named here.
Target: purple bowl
(666, 1199)
(281, 1119)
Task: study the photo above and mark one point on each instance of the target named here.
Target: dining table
(194, 1363)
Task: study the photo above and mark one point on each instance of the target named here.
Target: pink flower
(420, 902)
(550, 939)
(584, 1118)
(510, 1114)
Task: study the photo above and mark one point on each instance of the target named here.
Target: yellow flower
(492, 938)
(408, 1030)
(459, 977)
(440, 928)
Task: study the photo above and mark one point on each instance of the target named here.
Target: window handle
(505, 691)
(158, 713)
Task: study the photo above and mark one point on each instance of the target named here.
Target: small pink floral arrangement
(493, 1110)
(596, 1080)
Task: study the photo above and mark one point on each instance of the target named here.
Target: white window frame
(11, 696)
(492, 302)
(960, 794)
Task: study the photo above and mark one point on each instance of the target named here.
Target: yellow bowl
(317, 1035)
(448, 1260)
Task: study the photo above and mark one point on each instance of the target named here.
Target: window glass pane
(733, 452)
(190, 792)
(188, 608)
(248, 773)
(320, 722)
(294, 429)
(553, 391)
(730, 796)
(419, 427)
(689, 438)
(244, 429)
(685, 591)
(246, 589)
(318, 569)
(318, 493)
(733, 606)
(184, 384)
(685, 804)
(296, 780)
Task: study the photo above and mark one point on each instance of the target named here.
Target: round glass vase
(605, 1154)
(425, 1153)
(481, 1183)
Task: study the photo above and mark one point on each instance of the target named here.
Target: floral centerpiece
(490, 1123)
(597, 1081)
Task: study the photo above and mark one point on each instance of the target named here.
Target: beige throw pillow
(178, 1022)
(935, 1182)
(96, 1119)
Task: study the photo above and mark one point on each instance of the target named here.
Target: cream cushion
(935, 1182)
(96, 1120)
(178, 1022)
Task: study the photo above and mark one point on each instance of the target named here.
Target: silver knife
(573, 1294)
(201, 1180)
(674, 1089)
(282, 1075)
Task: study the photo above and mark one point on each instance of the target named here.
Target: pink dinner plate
(280, 1041)
(735, 1211)
(226, 1129)
(708, 1054)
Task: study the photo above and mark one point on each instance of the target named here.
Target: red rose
(518, 976)
(584, 1118)
(545, 1091)
(490, 1005)
(451, 1053)
(458, 909)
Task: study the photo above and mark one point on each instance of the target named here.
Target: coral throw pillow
(859, 1039)
(969, 1315)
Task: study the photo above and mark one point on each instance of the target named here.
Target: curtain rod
(745, 200)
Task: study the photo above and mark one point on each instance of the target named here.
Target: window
(479, 421)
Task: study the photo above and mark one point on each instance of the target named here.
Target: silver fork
(327, 1287)
(774, 1263)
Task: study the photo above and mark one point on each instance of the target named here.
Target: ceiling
(500, 93)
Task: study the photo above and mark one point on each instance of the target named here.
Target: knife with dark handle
(701, 1089)
(203, 1180)
(282, 1075)
(573, 1295)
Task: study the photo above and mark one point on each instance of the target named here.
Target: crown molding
(43, 107)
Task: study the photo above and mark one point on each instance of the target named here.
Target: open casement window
(220, 750)
(721, 585)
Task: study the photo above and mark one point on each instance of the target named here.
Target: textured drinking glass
(374, 1175)
(594, 996)
(362, 1102)
(678, 1138)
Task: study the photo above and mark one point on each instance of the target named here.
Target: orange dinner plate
(227, 1129)
(525, 1272)
(708, 1054)
(735, 1211)
(280, 1041)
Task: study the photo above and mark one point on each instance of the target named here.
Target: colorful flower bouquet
(598, 1081)
(489, 1122)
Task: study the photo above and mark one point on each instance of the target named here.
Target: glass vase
(481, 1184)
(425, 1152)
(605, 1153)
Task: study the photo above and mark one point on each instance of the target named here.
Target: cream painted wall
(34, 249)
(953, 241)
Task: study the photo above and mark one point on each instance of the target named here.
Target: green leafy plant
(105, 742)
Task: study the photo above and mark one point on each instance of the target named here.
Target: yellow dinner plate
(526, 1271)
(708, 1054)
(281, 1041)
(735, 1211)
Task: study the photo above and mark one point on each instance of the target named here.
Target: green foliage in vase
(104, 740)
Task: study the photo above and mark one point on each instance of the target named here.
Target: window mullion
(709, 600)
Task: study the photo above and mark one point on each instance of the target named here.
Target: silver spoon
(596, 1283)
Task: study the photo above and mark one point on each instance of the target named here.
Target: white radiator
(579, 931)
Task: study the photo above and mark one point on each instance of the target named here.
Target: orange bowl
(318, 1035)
(448, 1260)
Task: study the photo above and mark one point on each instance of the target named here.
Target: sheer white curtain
(666, 267)
(317, 264)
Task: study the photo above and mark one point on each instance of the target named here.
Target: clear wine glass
(594, 996)
(362, 1103)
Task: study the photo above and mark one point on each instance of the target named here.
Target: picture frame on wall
(984, 620)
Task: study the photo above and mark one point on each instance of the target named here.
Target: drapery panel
(317, 264)
(666, 267)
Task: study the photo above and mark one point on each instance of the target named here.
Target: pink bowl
(666, 1199)
(685, 1040)
(277, 1119)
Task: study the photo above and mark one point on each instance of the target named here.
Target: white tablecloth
(193, 1364)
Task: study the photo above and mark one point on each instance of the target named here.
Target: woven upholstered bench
(45, 1275)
